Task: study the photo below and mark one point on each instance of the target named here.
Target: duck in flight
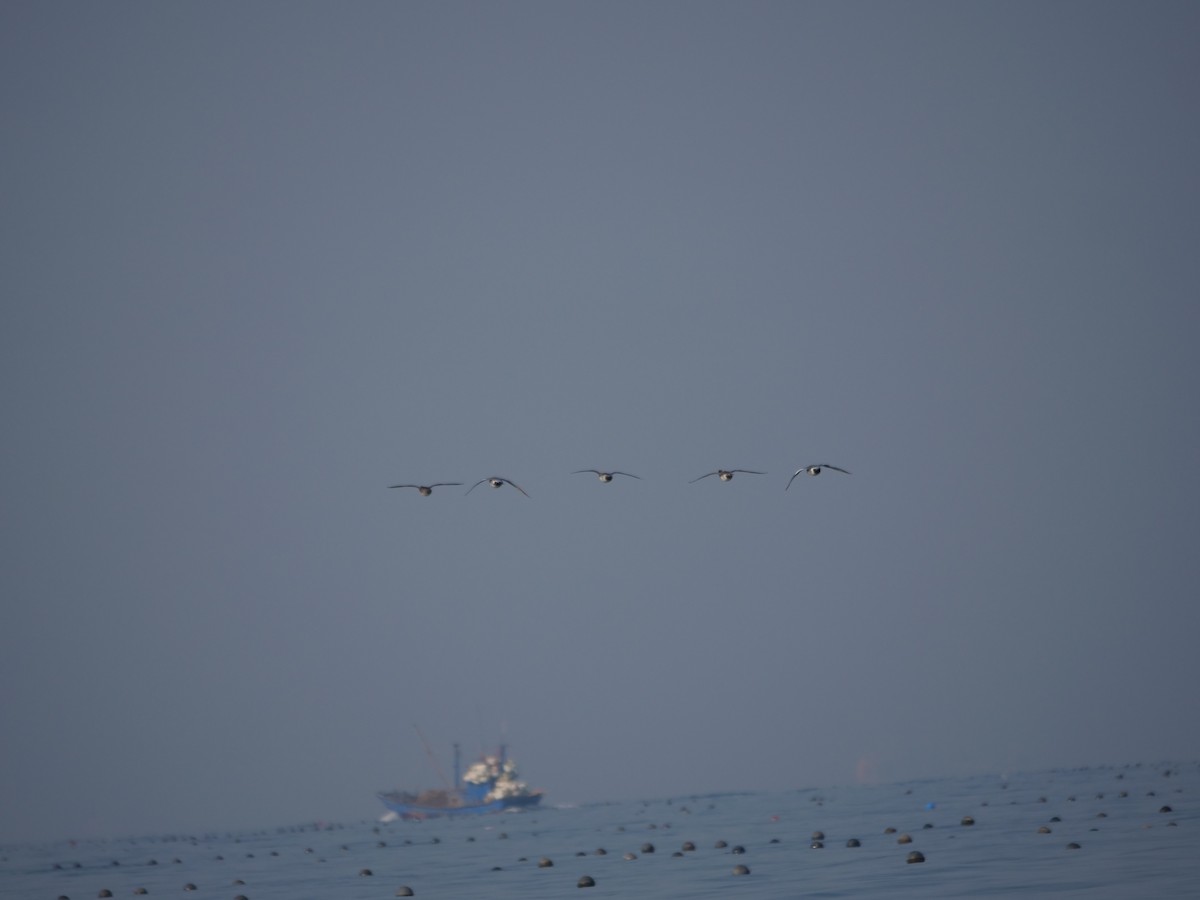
(606, 477)
(496, 482)
(727, 474)
(813, 470)
(427, 489)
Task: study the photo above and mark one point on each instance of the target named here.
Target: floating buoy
(915, 856)
(586, 881)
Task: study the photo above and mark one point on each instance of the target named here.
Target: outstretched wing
(514, 484)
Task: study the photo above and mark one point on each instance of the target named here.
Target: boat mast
(433, 759)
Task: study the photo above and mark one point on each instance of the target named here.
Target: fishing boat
(488, 786)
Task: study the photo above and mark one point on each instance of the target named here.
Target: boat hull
(416, 811)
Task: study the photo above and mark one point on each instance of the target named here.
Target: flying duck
(496, 482)
(727, 474)
(813, 470)
(427, 489)
(606, 477)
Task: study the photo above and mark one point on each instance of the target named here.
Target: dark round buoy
(927, 826)
(818, 835)
(600, 851)
(647, 848)
(773, 841)
(720, 845)
(503, 835)
(688, 847)
(586, 881)
(189, 887)
(738, 849)
(1044, 829)
(365, 872)
(967, 820)
(915, 856)
(545, 863)
(1055, 819)
(629, 856)
(853, 842)
(889, 830)
(904, 839)
(741, 870)
(404, 891)
(1165, 809)
(1073, 846)
(141, 890)
(817, 845)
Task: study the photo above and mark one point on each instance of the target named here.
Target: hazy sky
(261, 260)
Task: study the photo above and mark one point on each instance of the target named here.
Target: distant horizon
(321, 823)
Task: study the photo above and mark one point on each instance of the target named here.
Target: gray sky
(260, 261)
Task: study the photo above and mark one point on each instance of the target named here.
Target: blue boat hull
(417, 811)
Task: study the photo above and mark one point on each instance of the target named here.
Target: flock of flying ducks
(723, 474)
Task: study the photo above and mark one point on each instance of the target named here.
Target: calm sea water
(1129, 847)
